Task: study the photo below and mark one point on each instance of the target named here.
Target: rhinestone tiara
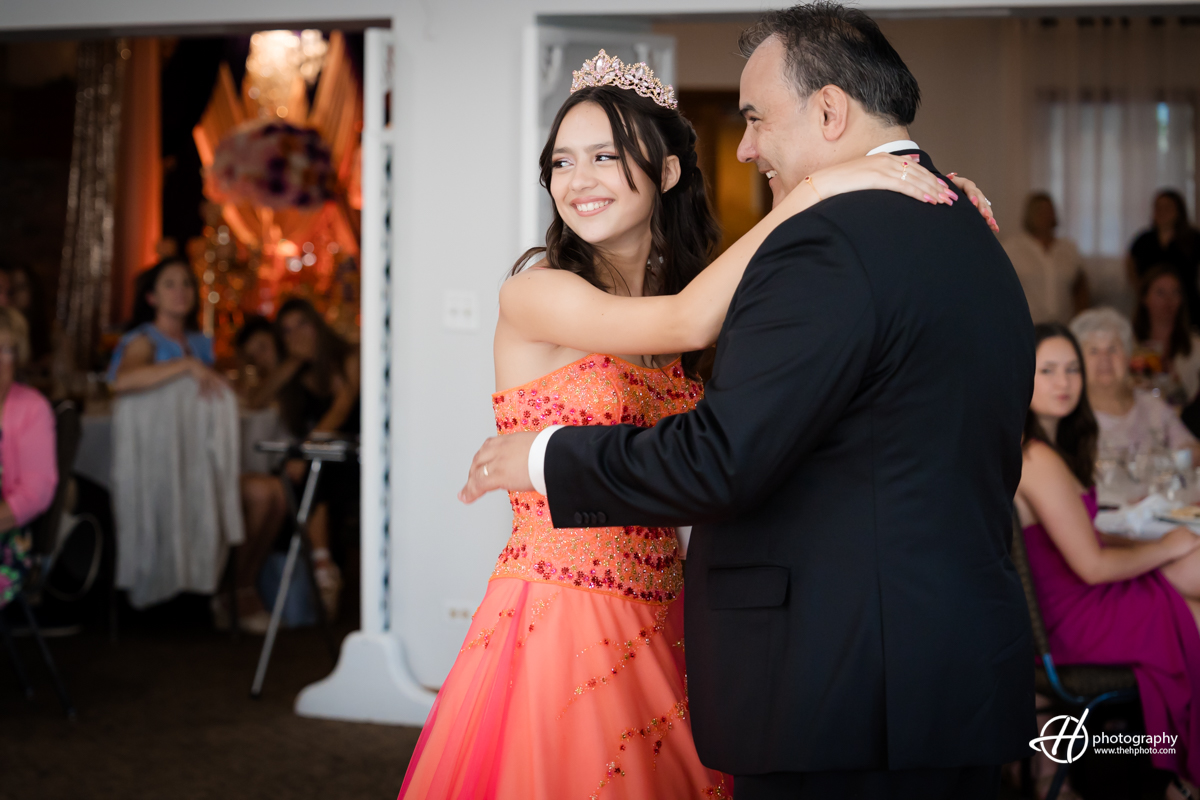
(606, 70)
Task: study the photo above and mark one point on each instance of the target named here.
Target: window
(1102, 161)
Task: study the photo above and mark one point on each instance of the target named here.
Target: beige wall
(970, 119)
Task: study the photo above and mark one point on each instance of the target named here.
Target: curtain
(1114, 120)
(83, 290)
(140, 174)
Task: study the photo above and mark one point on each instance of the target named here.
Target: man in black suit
(855, 627)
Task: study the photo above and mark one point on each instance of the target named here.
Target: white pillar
(372, 681)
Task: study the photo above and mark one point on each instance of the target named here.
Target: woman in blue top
(164, 342)
(164, 339)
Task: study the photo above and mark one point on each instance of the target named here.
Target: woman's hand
(901, 174)
(977, 198)
(210, 381)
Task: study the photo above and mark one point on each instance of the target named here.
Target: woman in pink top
(28, 474)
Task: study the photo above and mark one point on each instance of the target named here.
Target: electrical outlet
(460, 311)
(458, 612)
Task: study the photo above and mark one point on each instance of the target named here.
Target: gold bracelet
(812, 186)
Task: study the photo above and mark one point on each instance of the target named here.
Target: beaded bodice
(632, 562)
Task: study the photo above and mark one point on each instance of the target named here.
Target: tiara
(606, 70)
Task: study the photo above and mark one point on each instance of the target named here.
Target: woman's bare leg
(263, 508)
(318, 527)
(1184, 575)
(327, 574)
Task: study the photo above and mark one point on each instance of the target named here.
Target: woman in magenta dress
(570, 683)
(1104, 599)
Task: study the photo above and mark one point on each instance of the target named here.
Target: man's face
(783, 134)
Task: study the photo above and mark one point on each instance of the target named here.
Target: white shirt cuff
(537, 459)
(684, 534)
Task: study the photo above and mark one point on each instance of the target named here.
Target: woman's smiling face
(589, 186)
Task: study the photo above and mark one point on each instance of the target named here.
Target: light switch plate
(460, 311)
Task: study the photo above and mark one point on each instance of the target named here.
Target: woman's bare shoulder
(537, 284)
(1043, 466)
(139, 350)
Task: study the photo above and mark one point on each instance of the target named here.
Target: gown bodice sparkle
(632, 562)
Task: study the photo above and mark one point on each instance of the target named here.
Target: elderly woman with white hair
(1129, 417)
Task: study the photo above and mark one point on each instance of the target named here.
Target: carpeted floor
(165, 714)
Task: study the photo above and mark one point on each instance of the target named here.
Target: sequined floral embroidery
(626, 652)
(654, 733)
(632, 562)
(484, 637)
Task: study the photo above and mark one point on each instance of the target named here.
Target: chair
(1071, 689)
(45, 533)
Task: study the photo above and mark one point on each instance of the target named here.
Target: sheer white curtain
(1114, 121)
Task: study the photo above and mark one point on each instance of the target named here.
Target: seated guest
(1129, 418)
(26, 296)
(1049, 267)
(259, 347)
(1166, 343)
(163, 340)
(28, 474)
(164, 343)
(1107, 600)
(321, 398)
(1170, 240)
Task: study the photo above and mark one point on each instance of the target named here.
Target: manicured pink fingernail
(952, 194)
(975, 201)
(916, 156)
(942, 182)
(952, 174)
(928, 199)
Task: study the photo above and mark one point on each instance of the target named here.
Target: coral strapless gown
(1143, 623)
(570, 683)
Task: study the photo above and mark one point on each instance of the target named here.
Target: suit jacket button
(601, 518)
(578, 518)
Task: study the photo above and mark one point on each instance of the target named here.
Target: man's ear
(670, 173)
(834, 105)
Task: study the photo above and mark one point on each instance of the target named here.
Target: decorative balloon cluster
(273, 164)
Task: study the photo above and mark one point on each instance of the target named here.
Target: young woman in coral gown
(1107, 600)
(571, 683)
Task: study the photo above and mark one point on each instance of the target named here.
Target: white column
(372, 682)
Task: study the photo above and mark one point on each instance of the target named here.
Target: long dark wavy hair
(682, 226)
(330, 361)
(1078, 432)
(1180, 343)
(144, 285)
(1185, 235)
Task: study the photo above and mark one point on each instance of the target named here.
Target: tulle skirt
(563, 693)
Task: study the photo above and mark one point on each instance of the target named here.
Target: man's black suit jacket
(850, 600)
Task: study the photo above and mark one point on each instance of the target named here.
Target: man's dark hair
(826, 44)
